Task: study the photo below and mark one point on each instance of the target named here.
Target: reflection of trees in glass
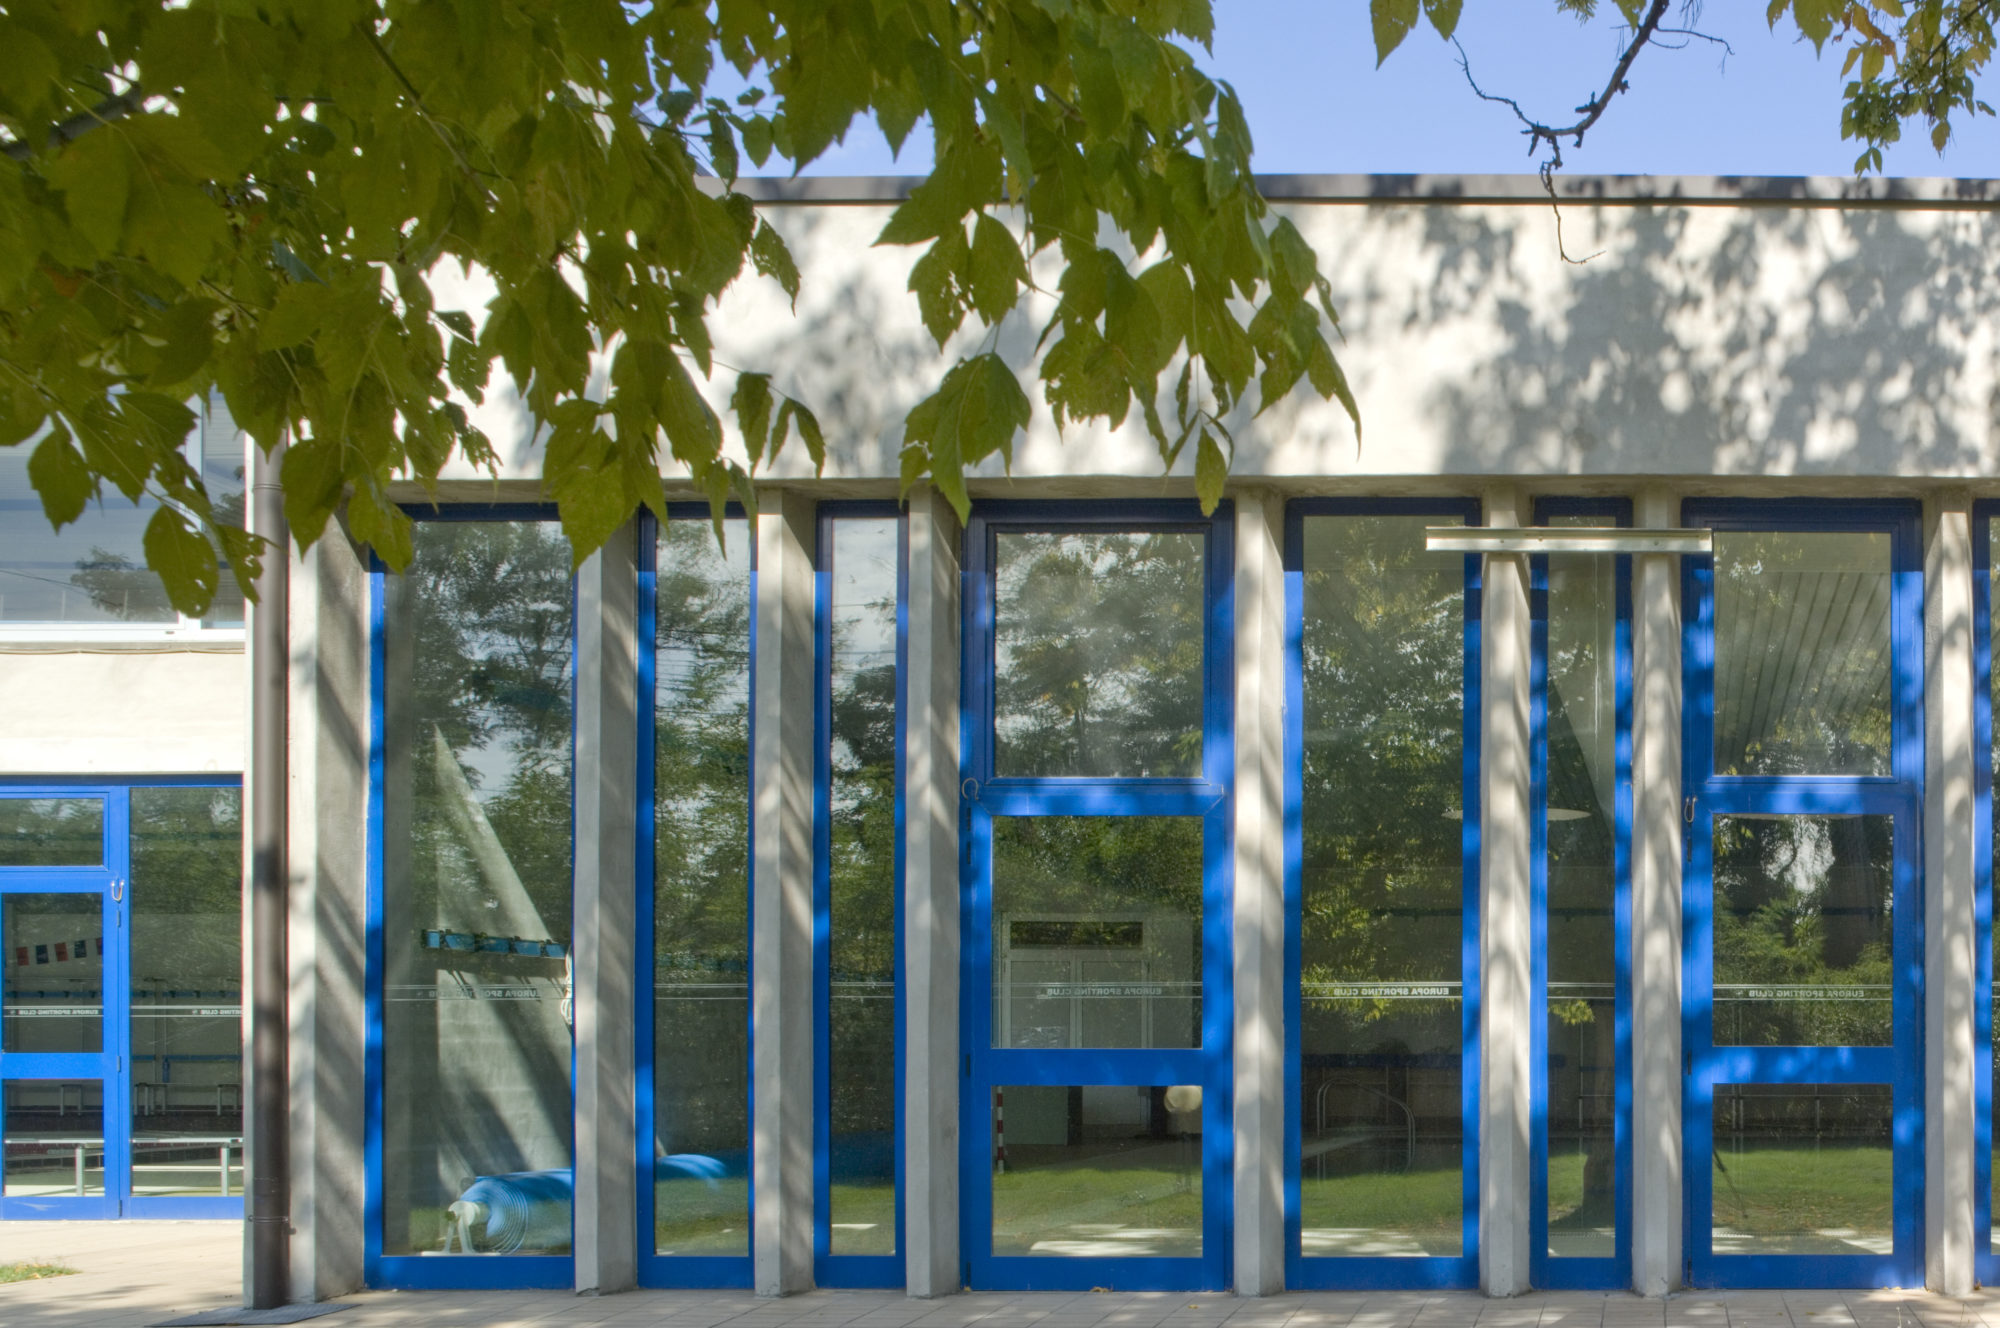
(701, 825)
(1382, 877)
(1803, 901)
(488, 607)
(1098, 650)
(1802, 653)
(51, 832)
(121, 587)
(187, 874)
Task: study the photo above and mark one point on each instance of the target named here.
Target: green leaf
(975, 413)
(1443, 15)
(998, 270)
(774, 259)
(93, 174)
(752, 404)
(184, 560)
(1211, 472)
(966, 178)
(61, 477)
(1392, 21)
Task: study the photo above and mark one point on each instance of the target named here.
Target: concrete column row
(330, 740)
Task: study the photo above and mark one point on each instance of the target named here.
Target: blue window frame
(1093, 1077)
(441, 1270)
(1878, 1086)
(731, 972)
(1363, 1270)
(1986, 1262)
(854, 1152)
(147, 1125)
(1547, 1269)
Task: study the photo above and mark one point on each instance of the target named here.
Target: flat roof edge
(1632, 190)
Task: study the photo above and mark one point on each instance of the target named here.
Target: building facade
(1544, 843)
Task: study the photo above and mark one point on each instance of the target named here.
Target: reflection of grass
(1153, 1185)
(32, 1272)
(1566, 1187)
(1428, 1205)
(872, 1206)
(690, 1217)
(1771, 1190)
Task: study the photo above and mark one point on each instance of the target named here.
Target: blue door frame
(1900, 795)
(1986, 1262)
(417, 1272)
(985, 797)
(1371, 1272)
(112, 1067)
(673, 1270)
(1546, 1270)
(830, 1269)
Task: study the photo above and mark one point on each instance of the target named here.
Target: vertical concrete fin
(781, 898)
(1950, 928)
(930, 900)
(1656, 909)
(1259, 895)
(1506, 950)
(328, 812)
(605, 909)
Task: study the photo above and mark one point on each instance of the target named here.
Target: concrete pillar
(930, 900)
(1259, 918)
(781, 998)
(1657, 1258)
(1951, 1061)
(326, 943)
(1506, 946)
(605, 907)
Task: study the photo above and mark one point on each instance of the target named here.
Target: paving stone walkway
(136, 1273)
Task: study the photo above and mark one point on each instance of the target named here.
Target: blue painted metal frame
(1901, 1065)
(118, 1199)
(1546, 1269)
(1372, 1272)
(1986, 1260)
(1208, 797)
(411, 1272)
(830, 1269)
(673, 1270)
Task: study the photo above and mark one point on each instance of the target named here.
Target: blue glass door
(1095, 1123)
(1803, 979)
(62, 1034)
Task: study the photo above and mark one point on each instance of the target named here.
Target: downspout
(269, 1216)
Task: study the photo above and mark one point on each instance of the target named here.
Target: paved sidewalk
(137, 1273)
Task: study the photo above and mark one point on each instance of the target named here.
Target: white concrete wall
(1719, 337)
(123, 713)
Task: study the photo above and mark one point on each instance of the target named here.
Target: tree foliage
(252, 200)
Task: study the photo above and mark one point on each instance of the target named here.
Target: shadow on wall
(1743, 341)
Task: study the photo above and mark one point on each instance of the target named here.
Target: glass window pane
(476, 1040)
(701, 892)
(93, 571)
(1582, 757)
(861, 1192)
(1802, 652)
(1803, 1169)
(1098, 654)
(1382, 890)
(51, 832)
(187, 997)
(51, 1138)
(223, 471)
(1097, 931)
(1802, 930)
(52, 956)
(1097, 1172)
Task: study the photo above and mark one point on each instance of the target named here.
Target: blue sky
(1317, 104)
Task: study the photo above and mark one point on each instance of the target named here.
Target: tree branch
(76, 126)
(1592, 110)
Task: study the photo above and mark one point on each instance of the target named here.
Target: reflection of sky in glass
(47, 576)
(864, 607)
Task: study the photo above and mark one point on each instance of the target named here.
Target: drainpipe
(269, 1216)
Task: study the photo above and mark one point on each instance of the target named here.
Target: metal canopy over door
(1803, 983)
(1095, 1118)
